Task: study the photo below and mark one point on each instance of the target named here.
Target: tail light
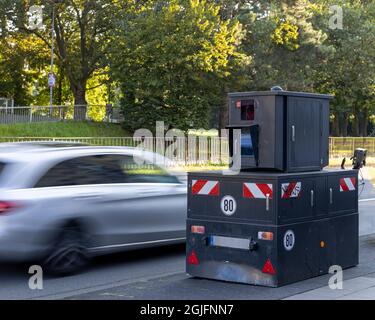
(6, 207)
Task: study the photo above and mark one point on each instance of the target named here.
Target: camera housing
(279, 130)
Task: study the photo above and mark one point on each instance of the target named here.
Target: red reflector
(198, 229)
(268, 267)
(5, 207)
(193, 259)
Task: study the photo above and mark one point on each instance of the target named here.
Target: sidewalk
(360, 288)
(359, 283)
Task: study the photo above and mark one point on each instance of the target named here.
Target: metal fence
(29, 114)
(344, 146)
(196, 150)
(183, 151)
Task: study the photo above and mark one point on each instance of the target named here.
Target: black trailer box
(271, 229)
(281, 130)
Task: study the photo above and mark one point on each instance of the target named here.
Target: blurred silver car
(61, 204)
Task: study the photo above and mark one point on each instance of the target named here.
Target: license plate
(229, 242)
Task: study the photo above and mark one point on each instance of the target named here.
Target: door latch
(330, 196)
(267, 202)
(293, 133)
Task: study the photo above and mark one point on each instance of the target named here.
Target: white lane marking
(366, 200)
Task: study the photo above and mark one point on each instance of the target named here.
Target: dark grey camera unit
(281, 130)
(271, 228)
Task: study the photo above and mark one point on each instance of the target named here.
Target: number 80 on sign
(289, 240)
(228, 205)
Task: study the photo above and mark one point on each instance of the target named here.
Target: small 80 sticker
(228, 205)
(289, 240)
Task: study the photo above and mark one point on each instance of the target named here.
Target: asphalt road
(159, 273)
(104, 272)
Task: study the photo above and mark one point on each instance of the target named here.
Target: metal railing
(344, 146)
(31, 114)
(183, 151)
(194, 150)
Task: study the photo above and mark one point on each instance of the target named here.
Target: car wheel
(69, 254)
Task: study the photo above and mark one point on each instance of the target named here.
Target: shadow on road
(15, 270)
(137, 255)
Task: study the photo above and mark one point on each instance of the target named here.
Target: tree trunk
(336, 126)
(80, 103)
(363, 124)
(355, 126)
(343, 124)
(223, 110)
(223, 113)
(60, 85)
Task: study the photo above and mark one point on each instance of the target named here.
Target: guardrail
(29, 114)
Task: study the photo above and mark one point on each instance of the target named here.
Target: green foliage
(286, 34)
(16, 79)
(62, 129)
(176, 60)
(169, 61)
(348, 70)
(284, 44)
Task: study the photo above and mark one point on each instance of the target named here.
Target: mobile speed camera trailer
(282, 218)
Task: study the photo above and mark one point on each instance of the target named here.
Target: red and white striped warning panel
(257, 190)
(205, 187)
(290, 190)
(347, 184)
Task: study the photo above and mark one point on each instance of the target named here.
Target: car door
(149, 206)
(123, 202)
(75, 189)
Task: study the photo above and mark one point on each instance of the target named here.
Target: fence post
(353, 145)
(31, 115)
(331, 141)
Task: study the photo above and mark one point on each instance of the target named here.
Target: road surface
(159, 274)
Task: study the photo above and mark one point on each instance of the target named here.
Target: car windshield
(2, 166)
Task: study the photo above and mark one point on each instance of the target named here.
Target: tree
(236, 79)
(23, 60)
(349, 70)
(82, 33)
(170, 59)
(284, 45)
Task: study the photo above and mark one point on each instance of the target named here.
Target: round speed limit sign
(228, 205)
(289, 240)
